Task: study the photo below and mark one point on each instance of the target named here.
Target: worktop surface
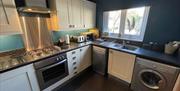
(140, 52)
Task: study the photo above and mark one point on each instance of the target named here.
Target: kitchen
(89, 45)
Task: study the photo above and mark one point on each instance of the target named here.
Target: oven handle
(53, 65)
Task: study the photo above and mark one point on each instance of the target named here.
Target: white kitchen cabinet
(78, 60)
(89, 14)
(20, 79)
(73, 61)
(74, 14)
(9, 19)
(60, 7)
(121, 65)
(69, 13)
(85, 58)
(177, 84)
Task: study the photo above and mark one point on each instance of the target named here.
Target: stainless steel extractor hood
(34, 9)
(33, 6)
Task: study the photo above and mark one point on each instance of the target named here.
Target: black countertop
(70, 47)
(148, 54)
(140, 52)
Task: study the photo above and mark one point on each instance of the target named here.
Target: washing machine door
(152, 79)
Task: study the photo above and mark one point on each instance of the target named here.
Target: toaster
(78, 39)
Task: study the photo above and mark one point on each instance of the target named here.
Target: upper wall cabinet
(74, 14)
(60, 7)
(9, 19)
(89, 11)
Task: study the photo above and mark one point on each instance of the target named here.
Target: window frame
(121, 34)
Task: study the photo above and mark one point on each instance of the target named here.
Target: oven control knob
(57, 58)
(63, 57)
(60, 58)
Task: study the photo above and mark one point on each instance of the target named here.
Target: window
(129, 24)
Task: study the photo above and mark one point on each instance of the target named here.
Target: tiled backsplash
(58, 34)
(12, 42)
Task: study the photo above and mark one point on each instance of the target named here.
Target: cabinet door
(89, 11)
(85, 58)
(20, 79)
(9, 19)
(75, 13)
(17, 83)
(121, 65)
(63, 15)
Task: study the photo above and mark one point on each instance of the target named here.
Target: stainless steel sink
(130, 47)
(117, 45)
(126, 47)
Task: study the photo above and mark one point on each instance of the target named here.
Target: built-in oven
(51, 70)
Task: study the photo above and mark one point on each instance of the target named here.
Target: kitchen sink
(129, 47)
(126, 47)
(117, 45)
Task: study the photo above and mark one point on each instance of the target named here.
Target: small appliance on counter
(67, 39)
(171, 47)
(91, 35)
(78, 39)
(88, 36)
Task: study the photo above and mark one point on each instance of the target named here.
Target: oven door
(51, 74)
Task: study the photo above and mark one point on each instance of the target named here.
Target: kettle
(67, 39)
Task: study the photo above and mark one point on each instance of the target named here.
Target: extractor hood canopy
(33, 6)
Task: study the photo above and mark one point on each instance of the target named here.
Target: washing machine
(149, 75)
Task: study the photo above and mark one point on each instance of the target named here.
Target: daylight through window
(127, 24)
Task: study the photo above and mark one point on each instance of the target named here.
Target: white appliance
(153, 76)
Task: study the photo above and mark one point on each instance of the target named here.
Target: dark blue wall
(163, 22)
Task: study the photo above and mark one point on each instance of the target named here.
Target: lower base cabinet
(20, 79)
(79, 59)
(121, 65)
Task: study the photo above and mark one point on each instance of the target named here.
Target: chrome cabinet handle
(74, 63)
(75, 68)
(73, 52)
(74, 58)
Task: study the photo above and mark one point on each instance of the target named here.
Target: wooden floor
(94, 82)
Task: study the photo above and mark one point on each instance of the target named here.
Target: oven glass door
(51, 74)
